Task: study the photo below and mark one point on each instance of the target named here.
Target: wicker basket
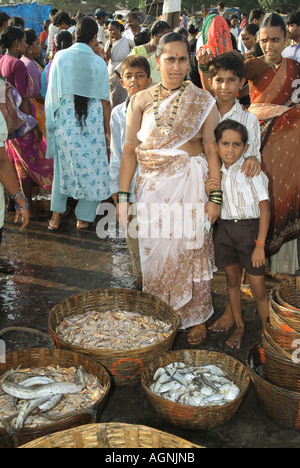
(282, 323)
(288, 293)
(194, 417)
(280, 310)
(124, 366)
(111, 435)
(43, 357)
(278, 369)
(284, 342)
(280, 404)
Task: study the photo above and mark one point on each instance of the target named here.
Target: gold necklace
(166, 130)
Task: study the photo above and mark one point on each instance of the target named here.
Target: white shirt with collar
(251, 122)
(242, 195)
(130, 35)
(117, 140)
(292, 51)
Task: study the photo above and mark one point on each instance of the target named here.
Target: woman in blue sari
(77, 123)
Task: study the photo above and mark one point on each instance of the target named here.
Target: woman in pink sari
(273, 82)
(27, 151)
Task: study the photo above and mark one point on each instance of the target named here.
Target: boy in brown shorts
(243, 225)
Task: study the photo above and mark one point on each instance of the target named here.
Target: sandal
(53, 226)
(82, 225)
(192, 341)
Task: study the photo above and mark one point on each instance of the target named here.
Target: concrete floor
(50, 267)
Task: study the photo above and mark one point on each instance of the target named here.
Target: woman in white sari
(116, 49)
(170, 132)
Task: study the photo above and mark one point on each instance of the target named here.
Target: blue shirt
(292, 51)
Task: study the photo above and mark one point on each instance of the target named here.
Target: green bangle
(203, 68)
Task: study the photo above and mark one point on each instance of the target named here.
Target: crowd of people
(194, 138)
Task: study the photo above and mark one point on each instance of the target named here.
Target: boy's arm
(115, 155)
(258, 254)
(251, 166)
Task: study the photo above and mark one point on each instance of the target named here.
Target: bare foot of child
(224, 323)
(236, 338)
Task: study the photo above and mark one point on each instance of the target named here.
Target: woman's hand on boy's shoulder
(251, 167)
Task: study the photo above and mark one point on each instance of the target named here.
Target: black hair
(30, 36)
(63, 40)
(181, 30)
(255, 14)
(192, 29)
(143, 37)
(135, 61)
(17, 21)
(86, 30)
(273, 20)
(116, 24)
(221, 4)
(3, 18)
(159, 27)
(256, 50)
(10, 35)
(293, 18)
(47, 23)
(229, 124)
(62, 17)
(167, 39)
(228, 61)
(53, 11)
(251, 28)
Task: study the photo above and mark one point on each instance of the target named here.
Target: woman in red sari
(273, 83)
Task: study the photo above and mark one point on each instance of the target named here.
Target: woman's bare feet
(236, 338)
(196, 334)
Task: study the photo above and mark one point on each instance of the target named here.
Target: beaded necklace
(166, 130)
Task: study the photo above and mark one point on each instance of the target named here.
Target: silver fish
(27, 409)
(27, 393)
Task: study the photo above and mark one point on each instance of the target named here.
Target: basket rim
(112, 353)
(197, 408)
(264, 381)
(115, 425)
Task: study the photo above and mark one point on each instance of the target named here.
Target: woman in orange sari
(273, 82)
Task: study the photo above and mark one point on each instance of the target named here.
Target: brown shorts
(234, 243)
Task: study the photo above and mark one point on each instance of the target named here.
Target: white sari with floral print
(176, 252)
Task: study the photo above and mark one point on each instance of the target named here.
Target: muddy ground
(50, 267)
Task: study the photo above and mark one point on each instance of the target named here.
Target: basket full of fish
(196, 389)
(123, 329)
(44, 391)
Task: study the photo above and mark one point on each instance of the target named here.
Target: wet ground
(50, 267)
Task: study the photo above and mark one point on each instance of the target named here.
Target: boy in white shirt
(135, 77)
(243, 225)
